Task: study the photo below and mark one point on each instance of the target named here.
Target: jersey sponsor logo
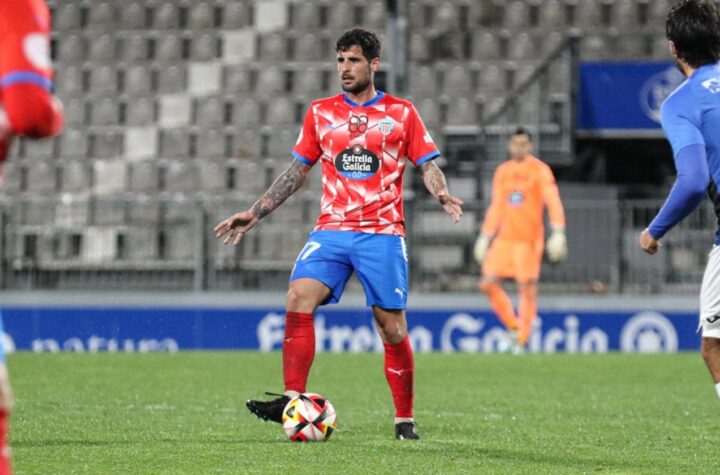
(713, 319)
(386, 126)
(358, 124)
(357, 163)
(656, 89)
(516, 198)
(712, 85)
(36, 47)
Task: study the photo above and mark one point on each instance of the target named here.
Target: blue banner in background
(337, 330)
(624, 95)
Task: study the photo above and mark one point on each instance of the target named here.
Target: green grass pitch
(184, 413)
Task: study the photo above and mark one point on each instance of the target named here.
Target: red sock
(5, 468)
(399, 369)
(298, 350)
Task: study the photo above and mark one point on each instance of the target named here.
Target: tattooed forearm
(434, 180)
(281, 189)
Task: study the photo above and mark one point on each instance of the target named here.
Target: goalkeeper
(510, 244)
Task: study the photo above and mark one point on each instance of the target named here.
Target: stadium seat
(306, 48)
(515, 16)
(71, 49)
(271, 15)
(171, 79)
(133, 16)
(68, 16)
(101, 17)
(143, 209)
(660, 48)
(140, 111)
(181, 176)
(175, 110)
(105, 111)
(169, 48)
(436, 258)
(457, 80)
(627, 15)
(212, 175)
(141, 142)
(135, 48)
(235, 15)
(446, 17)
(204, 78)
(142, 243)
(138, 80)
(594, 47)
(167, 16)
(103, 80)
(492, 78)
(201, 16)
(73, 143)
(272, 47)
(204, 47)
(180, 241)
(109, 177)
(238, 79)
(552, 16)
(271, 80)
(210, 111)
(69, 81)
(522, 47)
(143, 176)
(211, 143)
(308, 80)
(429, 111)
(279, 144)
(633, 46)
(240, 46)
(247, 113)
(41, 176)
(108, 211)
(281, 112)
(174, 143)
(340, 15)
(75, 111)
(422, 80)
(461, 111)
(375, 15)
(74, 176)
(106, 144)
(588, 15)
(14, 176)
(305, 16)
(72, 212)
(485, 45)
(419, 48)
(40, 149)
(246, 143)
(659, 10)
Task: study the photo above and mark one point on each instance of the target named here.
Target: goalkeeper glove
(556, 246)
(481, 246)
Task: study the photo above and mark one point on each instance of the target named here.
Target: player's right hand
(481, 246)
(648, 243)
(235, 227)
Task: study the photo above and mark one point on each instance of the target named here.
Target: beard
(358, 87)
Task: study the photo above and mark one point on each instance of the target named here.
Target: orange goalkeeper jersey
(520, 190)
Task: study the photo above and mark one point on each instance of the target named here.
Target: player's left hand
(451, 205)
(556, 246)
(648, 243)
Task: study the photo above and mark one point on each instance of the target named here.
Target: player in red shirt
(26, 109)
(363, 140)
(26, 105)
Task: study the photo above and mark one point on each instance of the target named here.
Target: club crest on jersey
(358, 124)
(516, 198)
(712, 85)
(386, 126)
(357, 163)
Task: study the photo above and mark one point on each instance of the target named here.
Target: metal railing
(149, 244)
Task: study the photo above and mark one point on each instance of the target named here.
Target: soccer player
(691, 120)
(363, 140)
(510, 243)
(26, 105)
(26, 109)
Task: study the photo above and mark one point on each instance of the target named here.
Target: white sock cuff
(398, 420)
(717, 388)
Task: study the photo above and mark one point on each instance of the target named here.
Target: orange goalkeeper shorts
(514, 260)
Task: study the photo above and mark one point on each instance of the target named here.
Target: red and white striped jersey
(363, 149)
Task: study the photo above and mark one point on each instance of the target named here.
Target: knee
(393, 330)
(300, 299)
(6, 397)
(487, 285)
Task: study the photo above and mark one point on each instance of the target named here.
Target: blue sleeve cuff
(26, 77)
(428, 156)
(301, 159)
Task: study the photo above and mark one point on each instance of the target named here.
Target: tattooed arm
(282, 188)
(436, 184)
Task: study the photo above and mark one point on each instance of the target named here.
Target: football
(309, 417)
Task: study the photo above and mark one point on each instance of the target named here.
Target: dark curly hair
(694, 28)
(366, 40)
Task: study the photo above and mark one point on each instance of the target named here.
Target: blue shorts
(379, 260)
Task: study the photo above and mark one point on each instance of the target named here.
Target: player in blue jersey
(691, 121)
